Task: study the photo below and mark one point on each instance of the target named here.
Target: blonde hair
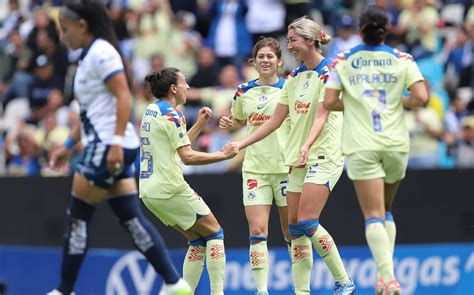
(311, 30)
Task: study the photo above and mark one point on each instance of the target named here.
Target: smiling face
(299, 46)
(73, 32)
(267, 62)
(180, 89)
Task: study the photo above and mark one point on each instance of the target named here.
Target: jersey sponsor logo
(258, 119)
(380, 78)
(251, 184)
(302, 107)
(360, 63)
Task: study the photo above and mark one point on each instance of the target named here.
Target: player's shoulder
(295, 72)
(244, 88)
(102, 48)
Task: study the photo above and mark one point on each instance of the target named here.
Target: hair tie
(322, 35)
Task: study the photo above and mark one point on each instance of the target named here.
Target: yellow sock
(391, 229)
(194, 265)
(301, 264)
(215, 261)
(327, 249)
(258, 253)
(288, 247)
(379, 245)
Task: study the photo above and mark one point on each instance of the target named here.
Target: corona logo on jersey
(258, 119)
(360, 62)
(302, 107)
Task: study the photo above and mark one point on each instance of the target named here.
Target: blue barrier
(421, 269)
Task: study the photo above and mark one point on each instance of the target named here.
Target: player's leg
(257, 198)
(280, 183)
(313, 199)
(395, 165)
(257, 217)
(210, 230)
(181, 211)
(370, 194)
(124, 202)
(79, 214)
(193, 264)
(301, 250)
(319, 181)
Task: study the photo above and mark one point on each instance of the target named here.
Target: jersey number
(283, 187)
(381, 98)
(145, 156)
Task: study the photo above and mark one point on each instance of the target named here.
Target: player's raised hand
(303, 157)
(226, 122)
(230, 150)
(204, 115)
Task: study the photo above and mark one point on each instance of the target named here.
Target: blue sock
(144, 235)
(75, 242)
(309, 227)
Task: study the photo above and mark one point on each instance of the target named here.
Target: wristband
(116, 140)
(69, 143)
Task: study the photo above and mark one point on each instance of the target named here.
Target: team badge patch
(251, 184)
(251, 195)
(306, 85)
(262, 98)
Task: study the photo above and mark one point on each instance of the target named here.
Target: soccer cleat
(379, 285)
(179, 288)
(345, 289)
(392, 288)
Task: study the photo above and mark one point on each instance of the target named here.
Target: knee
(218, 235)
(258, 230)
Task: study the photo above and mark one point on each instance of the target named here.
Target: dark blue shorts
(93, 165)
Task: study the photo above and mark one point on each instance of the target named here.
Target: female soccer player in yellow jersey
(264, 173)
(164, 142)
(309, 185)
(372, 78)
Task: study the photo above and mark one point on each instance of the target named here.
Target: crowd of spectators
(210, 41)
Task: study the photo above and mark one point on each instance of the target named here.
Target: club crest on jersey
(251, 195)
(263, 98)
(251, 184)
(306, 85)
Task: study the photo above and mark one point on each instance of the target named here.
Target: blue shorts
(93, 165)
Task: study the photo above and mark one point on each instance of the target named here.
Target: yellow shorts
(326, 173)
(181, 209)
(261, 189)
(377, 164)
